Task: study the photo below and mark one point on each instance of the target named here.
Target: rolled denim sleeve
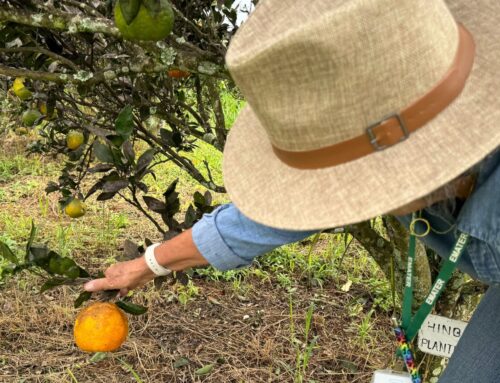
(229, 240)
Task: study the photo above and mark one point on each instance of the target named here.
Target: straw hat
(356, 108)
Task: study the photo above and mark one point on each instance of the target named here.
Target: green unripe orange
(30, 116)
(146, 26)
(74, 139)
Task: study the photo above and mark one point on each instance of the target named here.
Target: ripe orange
(100, 327)
(177, 73)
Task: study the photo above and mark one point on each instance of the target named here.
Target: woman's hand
(178, 254)
(123, 276)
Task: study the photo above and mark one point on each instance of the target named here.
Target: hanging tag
(389, 376)
(439, 335)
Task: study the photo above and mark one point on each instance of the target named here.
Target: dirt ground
(247, 337)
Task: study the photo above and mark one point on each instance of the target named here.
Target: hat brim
(270, 192)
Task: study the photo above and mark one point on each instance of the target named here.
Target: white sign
(439, 335)
(388, 376)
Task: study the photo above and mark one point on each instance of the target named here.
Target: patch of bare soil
(247, 339)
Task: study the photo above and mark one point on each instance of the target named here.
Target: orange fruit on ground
(100, 327)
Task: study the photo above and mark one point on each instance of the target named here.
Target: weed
(364, 329)
(186, 293)
(130, 369)
(303, 348)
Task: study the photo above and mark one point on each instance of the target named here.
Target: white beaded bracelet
(152, 263)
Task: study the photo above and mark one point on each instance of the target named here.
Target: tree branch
(62, 22)
(46, 52)
(34, 75)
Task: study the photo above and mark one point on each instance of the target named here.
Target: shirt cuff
(212, 247)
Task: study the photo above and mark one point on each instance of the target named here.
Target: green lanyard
(412, 325)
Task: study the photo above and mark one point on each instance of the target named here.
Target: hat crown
(319, 72)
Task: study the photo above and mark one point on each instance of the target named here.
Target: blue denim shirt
(229, 240)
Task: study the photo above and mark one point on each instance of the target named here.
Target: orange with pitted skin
(100, 327)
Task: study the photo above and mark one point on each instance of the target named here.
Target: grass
(283, 319)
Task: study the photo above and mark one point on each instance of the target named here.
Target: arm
(226, 239)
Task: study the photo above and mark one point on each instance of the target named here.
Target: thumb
(98, 285)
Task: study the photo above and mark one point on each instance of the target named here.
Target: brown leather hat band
(398, 126)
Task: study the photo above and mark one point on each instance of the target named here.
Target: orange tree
(95, 85)
(72, 63)
(89, 74)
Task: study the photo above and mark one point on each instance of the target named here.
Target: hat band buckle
(395, 127)
(373, 136)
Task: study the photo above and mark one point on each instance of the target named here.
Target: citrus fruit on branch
(148, 20)
(30, 116)
(75, 208)
(100, 327)
(20, 90)
(74, 139)
(44, 110)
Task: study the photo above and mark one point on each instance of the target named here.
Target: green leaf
(7, 253)
(177, 138)
(69, 268)
(205, 370)
(114, 186)
(30, 240)
(99, 132)
(117, 140)
(55, 264)
(131, 308)
(130, 9)
(199, 200)
(145, 159)
(190, 216)
(51, 187)
(155, 205)
(83, 297)
(208, 198)
(75, 155)
(103, 152)
(181, 362)
(130, 251)
(83, 273)
(158, 281)
(124, 123)
(39, 255)
(97, 186)
(128, 151)
(143, 187)
(99, 168)
(98, 356)
(54, 282)
(171, 188)
(105, 196)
